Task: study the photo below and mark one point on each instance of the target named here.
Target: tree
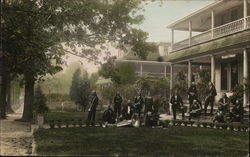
(80, 88)
(40, 102)
(37, 31)
(75, 86)
(120, 73)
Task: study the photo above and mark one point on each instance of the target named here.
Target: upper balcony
(217, 20)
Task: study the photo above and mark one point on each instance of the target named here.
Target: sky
(156, 19)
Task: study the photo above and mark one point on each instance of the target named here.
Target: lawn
(174, 141)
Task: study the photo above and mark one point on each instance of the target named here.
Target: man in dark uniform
(236, 115)
(177, 104)
(148, 104)
(138, 104)
(92, 109)
(224, 102)
(108, 116)
(192, 94)
(210, 98)
(117, 105)
(195, 109)
(127, 110)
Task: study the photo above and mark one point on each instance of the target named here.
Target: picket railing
(220, 31)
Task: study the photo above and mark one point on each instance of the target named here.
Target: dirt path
(15, 137)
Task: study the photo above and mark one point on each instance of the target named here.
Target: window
(224, 77)
(234, 74)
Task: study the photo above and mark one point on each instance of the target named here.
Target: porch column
(212, 23)
(141, 70)
(245, 77)
(171, 78)
(172, 41)
(213, 69)
(190, 32)
(245, 13)
(165, 70)
(189, 73)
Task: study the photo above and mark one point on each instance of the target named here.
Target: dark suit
(195, 110)
(92, 109)
(117, 105)
(177, 104)
(210, 100)
(192, 94)
(148, 105)
(224, 102)
(138, 104)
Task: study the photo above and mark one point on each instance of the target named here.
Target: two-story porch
(223, 43)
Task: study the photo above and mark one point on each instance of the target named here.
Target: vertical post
(245, 77)
(141, 70)
(212, 69)
(171, 79)
(189, 73)
(172, 41)
(165, 70)
(212, 24)
(190, 32)
(245, 13)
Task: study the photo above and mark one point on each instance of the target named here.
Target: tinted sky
(158, 17)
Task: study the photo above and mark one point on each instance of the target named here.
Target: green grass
(175, 141)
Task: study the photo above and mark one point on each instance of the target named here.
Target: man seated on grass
(108, 116)
(127, 110)
(195, 109)
(223, 109)
(224, 102)
(236, 115)
(220, 115)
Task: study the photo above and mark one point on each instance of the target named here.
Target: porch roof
(201, 19)
(233, 41)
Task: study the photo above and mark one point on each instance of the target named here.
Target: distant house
(155, 64)
(222, 44)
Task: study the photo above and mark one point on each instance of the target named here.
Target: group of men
(195, 106)
(125, 111)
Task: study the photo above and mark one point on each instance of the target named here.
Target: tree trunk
(8, 107)
(28, 98)
(3, 96)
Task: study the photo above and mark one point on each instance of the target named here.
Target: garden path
(15, 137)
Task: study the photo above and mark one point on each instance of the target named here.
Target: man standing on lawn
(192, 94)
(177, 104)
(210, 99)
(92, 109)
(117, 105)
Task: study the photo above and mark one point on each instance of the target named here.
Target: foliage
(143, 84)
(141, 48)
(80, 88)
(57, 97)
(238, 92)
(38, 32)
(120, 73)
(202, 84)
(181, 87)
(60, 82)
(40, 102)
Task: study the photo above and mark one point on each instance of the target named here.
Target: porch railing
(217, 32)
